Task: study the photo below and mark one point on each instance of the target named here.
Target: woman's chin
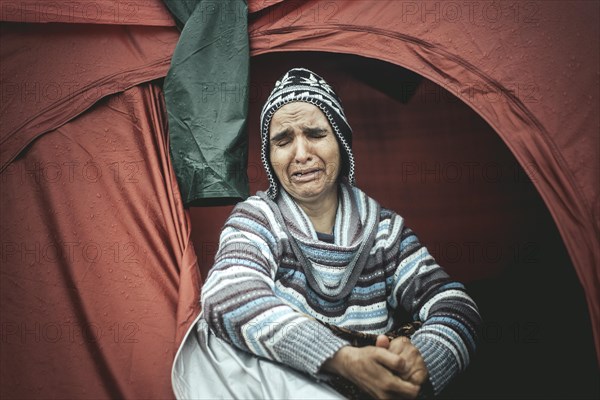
(308, 193)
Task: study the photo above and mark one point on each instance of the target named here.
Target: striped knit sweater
(272, 277)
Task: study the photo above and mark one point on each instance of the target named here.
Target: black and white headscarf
(300, 84)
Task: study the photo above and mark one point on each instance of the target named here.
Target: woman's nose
(303, 153)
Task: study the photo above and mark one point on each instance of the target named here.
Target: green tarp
(207, 101)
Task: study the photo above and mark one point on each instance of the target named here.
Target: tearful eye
(317, 134)
(282, 143)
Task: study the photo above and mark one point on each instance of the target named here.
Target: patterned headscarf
(300, 84)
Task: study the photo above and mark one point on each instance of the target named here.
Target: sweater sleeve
(240, 304)
(447, 338)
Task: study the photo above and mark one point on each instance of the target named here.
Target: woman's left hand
(414, 369)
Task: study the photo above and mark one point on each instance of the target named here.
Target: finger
(404, 348)
(417, 376)
(399, 344)
(397, 388)
(415, 370)
(392, 362)
(386, 383)
(382, 341)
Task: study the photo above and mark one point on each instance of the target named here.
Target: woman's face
(304, 152)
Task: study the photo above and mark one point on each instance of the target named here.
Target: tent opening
(426, 154)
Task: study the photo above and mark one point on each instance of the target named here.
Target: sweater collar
(331, 269)
(349, 223)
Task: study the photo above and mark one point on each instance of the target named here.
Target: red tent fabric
(51, 73)
(99, 275)
(97, 262)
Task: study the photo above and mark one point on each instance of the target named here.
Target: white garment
(206, 367)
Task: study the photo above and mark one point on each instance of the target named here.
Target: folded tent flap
(99, 276)
(52, 73)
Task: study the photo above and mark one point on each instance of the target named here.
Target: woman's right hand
(376, 370)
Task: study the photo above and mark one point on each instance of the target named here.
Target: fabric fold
(355, 227)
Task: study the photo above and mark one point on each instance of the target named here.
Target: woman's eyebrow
(281, 135)
(311, 130)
